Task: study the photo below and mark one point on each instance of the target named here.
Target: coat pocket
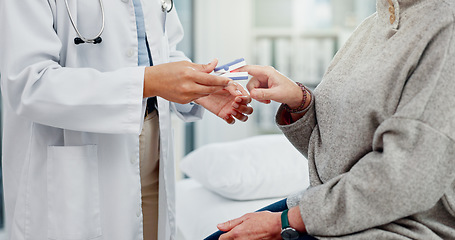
(73, 193)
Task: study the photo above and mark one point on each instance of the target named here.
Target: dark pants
(274, 207)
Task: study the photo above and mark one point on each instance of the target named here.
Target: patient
(378, 132)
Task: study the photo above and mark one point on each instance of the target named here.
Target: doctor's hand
(182, 82)
(251, 226)
(228, 103)
(269, 85)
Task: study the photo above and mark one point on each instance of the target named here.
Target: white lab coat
(72, 117)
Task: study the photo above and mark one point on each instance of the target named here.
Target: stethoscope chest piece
(78, 40)
(81, 39)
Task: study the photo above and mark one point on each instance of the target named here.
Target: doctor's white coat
(72, 118)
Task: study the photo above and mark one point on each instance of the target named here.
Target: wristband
(301, 108)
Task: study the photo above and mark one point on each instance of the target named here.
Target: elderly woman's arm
(410, 167)
(409, 170)
(269, 85)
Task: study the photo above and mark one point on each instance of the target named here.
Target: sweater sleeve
(411, 164)
(298, 132)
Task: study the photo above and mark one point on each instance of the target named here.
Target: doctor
(75, 79)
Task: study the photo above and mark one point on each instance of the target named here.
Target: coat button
(130, 52)
(392, 12)
(133, 160)
(125, 1)
(392, 18)
(138, 213)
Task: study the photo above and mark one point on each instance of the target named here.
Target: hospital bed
(227, 180)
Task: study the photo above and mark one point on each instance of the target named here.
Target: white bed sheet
(199, 210)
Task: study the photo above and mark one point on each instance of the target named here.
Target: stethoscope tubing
(97, 38)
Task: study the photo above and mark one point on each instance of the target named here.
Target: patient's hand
(251, 226)
(268, 85)
(228, 103)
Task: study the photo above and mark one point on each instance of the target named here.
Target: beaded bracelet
(302, 107)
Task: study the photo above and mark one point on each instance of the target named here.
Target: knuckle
(236, 234)
(270, 68)
(185, 88)
(186, 74)
(205, 66)
(186, 71)
(214, 89)
(185, 100)
(248, 215)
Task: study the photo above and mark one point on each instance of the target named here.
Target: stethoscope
(166, 7)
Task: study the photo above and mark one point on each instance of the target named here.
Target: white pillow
(259, 167)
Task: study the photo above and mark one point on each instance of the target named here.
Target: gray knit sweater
(380, 134)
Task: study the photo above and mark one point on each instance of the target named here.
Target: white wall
(222, 30)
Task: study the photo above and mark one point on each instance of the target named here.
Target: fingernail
(211, 62)
(234, 113)
(239, 100)
(235, 105)
(239, 93)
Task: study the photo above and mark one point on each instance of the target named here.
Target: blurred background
(297, 37)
